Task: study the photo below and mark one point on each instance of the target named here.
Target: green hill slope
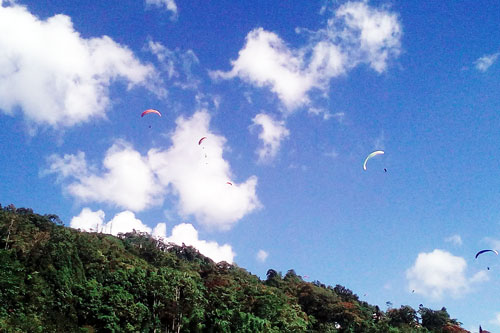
(57, 279)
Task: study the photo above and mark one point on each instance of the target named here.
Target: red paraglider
(201, 140)
(148, 111)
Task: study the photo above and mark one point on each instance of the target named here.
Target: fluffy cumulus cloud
(88, 220)
(440, 273)
(165, 4)
(197, 174)
(454, 239)
(126, 181)
(123, 222)
(272, 133)
(185, 233)
(126, 221)
(55, 76)
(266, 60)
(160, 231)
(262, 256)
(482, 64)
(356, 33)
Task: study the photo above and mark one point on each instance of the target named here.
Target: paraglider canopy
(148, 111)
(375, 153)
(483, 251)
(201, 140)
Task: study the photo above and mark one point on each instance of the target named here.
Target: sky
(290, 97)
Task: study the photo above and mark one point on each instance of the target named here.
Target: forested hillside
(57, 279)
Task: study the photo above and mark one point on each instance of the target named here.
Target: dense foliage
(57, 279)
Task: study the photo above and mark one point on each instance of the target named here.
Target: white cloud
(454, 239)
(496, 320)
(126, 221)
(88, 220)
(67, 166)
(167, 4)
(326, 114)
(267, 61)
(485, 62)
(271, 135)
(94, 221)
(207, 101)
(199, 174)
(480, 276)
(160, 231)
(295, 166)
(437, 273)
(127, 182)
(55, 76)
(262, 256)
(177, 64)
(493, 243)
(379, 141)
(374, 34)
(355, 34)
(332, 153)
(187, 234)
(165, 56)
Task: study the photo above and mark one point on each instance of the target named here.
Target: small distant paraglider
(483, 251)
(229, 183)
(199, 144)
(371, 155)
(148, 111)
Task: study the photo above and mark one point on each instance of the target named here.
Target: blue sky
(292, 96)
